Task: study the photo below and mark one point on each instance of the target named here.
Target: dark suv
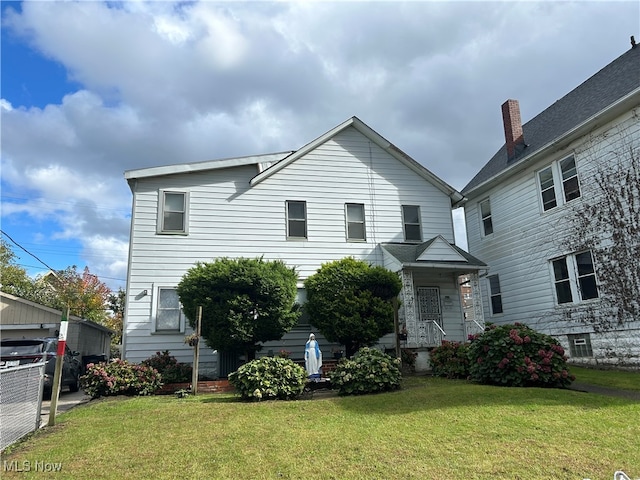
(14, 352)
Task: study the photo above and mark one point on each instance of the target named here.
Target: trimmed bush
(119, 377)
(269, 378)
(369, 371)
(518, 356)
(450, 360)
(171, 370)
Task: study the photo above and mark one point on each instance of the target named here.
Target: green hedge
(369, 371)
(269, 378)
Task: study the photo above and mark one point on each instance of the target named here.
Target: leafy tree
(244, 301)
(351, 302)
(116, 303)
(83, 293)
(14, 279)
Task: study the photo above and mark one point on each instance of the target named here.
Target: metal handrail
(439, 327)
(481, 327)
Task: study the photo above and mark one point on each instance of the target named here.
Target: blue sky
(91, 89)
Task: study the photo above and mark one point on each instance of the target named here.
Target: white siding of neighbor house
(525, 238)
(227, 217)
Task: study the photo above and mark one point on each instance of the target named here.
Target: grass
(431, 429)
(625, 380)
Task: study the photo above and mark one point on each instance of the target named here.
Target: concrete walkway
(610, 392)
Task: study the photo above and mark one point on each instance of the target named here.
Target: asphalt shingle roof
(610, 84)
(409, 253)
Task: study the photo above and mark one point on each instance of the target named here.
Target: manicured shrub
(119, 377)
(369, 371)
(516, 355)
(450, 360)
(269, 378)
(171, 370)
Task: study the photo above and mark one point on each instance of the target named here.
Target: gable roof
(375, 138)
(600, 94)
(434, 253)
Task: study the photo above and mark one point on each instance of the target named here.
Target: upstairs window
(558, 183)
(574, 278)
(496, 294)
(547, 189)
(172, 212)
(411, 223)
(485, 214)
(569, 179)
(354, 213)
(296, 219)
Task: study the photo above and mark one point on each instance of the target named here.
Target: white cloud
(171, 82)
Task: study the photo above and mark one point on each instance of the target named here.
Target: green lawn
(431, 429)
(608, 378)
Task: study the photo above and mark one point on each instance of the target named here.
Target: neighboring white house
(556, 215)
(347, 193)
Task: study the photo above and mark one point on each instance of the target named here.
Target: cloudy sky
(91, 89)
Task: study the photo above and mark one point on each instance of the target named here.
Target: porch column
(476, 295)
(407, 311)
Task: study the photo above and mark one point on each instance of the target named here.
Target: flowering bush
(369, 371)
(450, 360)
(516, 355)
(119, 377)
(269, 378)
(171, 370)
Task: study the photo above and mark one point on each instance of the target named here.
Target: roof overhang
(206, 165)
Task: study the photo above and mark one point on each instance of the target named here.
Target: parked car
(14, 352)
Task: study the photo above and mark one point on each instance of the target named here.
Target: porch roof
(434, 253)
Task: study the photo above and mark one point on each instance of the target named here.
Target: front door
(429, 317)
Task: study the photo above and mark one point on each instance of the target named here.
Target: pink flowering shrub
(518, 356)
(119, 377)
(450, 360)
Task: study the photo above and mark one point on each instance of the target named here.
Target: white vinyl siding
(354, 217)
(227, 218)
(173, 212)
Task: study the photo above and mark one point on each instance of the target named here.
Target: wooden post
(396, 325)
(196, 354)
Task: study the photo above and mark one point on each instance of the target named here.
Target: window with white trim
(296, 219)
(485, 214)
(574, 278)
(411, 223)
(559, 181)
(167, 311)
(173, 212)
(354, 213)
(495, 294)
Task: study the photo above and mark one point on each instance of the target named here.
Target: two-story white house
(349, 192)
(555, 213)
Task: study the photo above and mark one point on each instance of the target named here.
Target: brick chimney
(512, 127)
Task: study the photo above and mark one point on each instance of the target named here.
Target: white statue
(312, 357)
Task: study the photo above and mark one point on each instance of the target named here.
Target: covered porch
(432, 306)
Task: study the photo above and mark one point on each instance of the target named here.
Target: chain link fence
(20, 401)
